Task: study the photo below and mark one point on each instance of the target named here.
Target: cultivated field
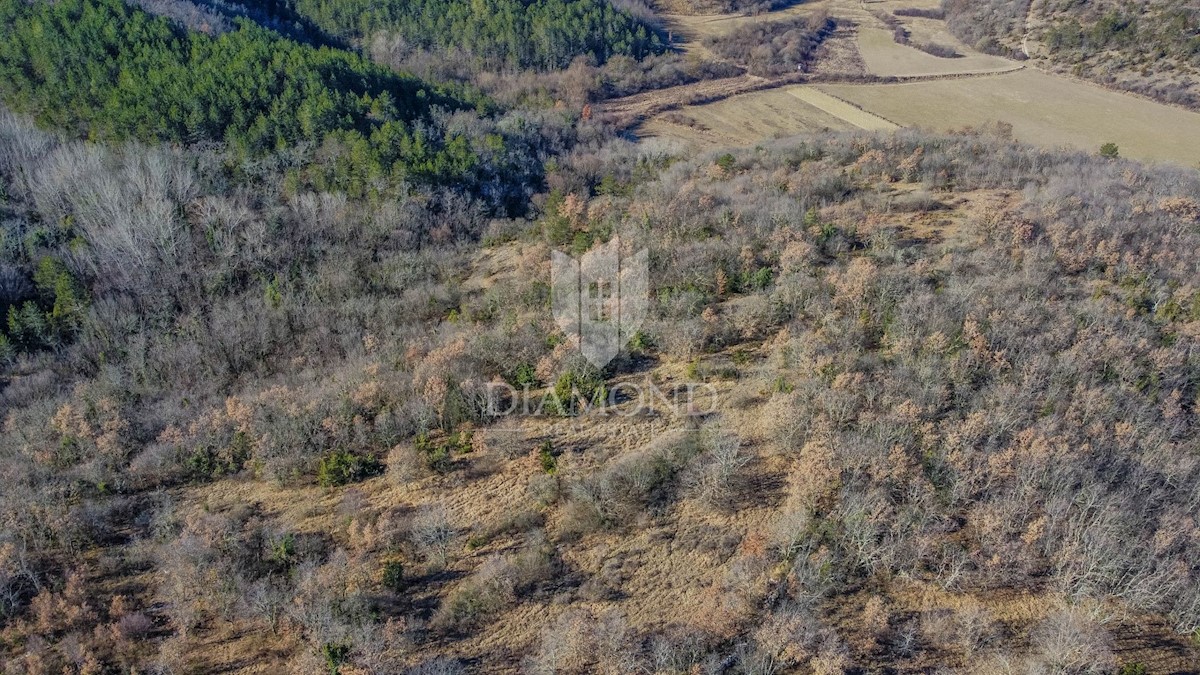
(1044, 109)
(842, 110)
(746, 119)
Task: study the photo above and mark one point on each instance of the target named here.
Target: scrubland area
(264, 268)
(932, 444)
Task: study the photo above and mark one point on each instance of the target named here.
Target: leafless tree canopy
(956, 422)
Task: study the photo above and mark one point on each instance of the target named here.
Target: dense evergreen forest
(542, 34)
(104, 70)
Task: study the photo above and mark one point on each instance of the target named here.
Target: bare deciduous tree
(1069, 642)
(432, 534)
(717, 477)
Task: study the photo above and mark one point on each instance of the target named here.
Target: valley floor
(940, 94)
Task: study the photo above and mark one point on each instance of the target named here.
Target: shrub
(641, 342)
(437, 458)
(1110, 151)
(393, 576)
(1068, 640)
(441, 665)
(524, 374)
(29, 328)
(342, 467)
(547, 458)
(65, 295)
(209, 461)
(283, 550)
(497, 583)
(582, 642)
(134, 626)
(51, 319)
(634, 483)
(438, 455)
(723, 460)
(577, 388)
(931, 13)
(755, 280)
(938, 50)
(478, 598)
(335, 654)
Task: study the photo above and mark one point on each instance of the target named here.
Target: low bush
(548, 458)
(578, 388)
(497, 583)
(432, 533)
(393, 576)
(437, 454)
(925, 13)
(341, 467)
(938, 50)
(633, 484)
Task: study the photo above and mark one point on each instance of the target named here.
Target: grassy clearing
(883, 56)
(688, 31)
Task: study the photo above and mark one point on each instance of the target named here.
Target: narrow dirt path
(1028, 25)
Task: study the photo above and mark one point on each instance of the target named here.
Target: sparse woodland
(1152, 48)
(244, 422)
(774, 48)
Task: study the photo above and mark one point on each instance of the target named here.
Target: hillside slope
(925, 441)
(1150, 47)
(288, 382)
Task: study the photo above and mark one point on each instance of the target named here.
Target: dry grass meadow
(775, 113)
(883, 56)
(1045, 109)
(657, 572)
